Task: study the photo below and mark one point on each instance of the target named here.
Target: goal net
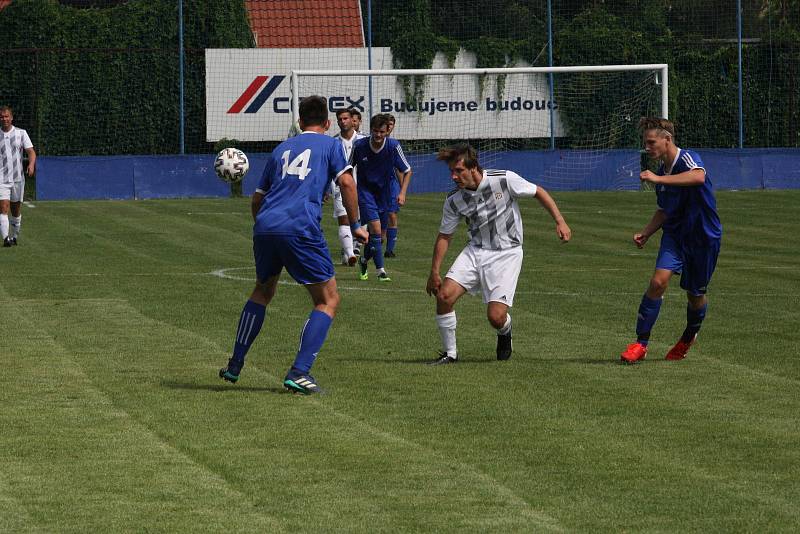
(565, 128)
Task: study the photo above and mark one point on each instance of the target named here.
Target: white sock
(506, 327)
(346, 239)
(447, 329)
(3, 225)
(14, 223)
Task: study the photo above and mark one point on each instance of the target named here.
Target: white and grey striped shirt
(12, 144)
(491, 211)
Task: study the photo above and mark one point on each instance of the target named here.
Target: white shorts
(18, 191)
(338, 205)
(5, 191)
(493, 272)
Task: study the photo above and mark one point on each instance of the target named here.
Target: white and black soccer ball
(231, 165)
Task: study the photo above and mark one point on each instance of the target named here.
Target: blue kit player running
(287, 209)
(376, 158)
(691, 234)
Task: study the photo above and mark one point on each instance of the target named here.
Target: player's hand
(640, 240)
(326, 197)
(401, 199)
(563, 231)
(30, 170)
(434, 283)
(361, 235)
(649, 176)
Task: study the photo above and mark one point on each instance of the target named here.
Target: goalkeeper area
(114, 418)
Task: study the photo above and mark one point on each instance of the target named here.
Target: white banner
(248, 96)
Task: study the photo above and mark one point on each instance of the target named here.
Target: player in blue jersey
(397, 199)
(376, 158)
(690, 240)
(287, 209)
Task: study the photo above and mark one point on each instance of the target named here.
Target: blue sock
(391, 239)
(311, 339)
(376, 250)
(694, 320)
(250, 322)
(648, 313)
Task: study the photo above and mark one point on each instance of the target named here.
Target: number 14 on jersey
(298, 166)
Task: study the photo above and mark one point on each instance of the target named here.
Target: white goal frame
(661, 68)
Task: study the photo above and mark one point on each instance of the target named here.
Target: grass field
(119, 314)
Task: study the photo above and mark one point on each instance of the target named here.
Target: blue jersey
(376, 168)
(691, 210)
(294, 181)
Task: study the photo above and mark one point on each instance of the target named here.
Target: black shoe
(443, 359)
(389, 254)
(504, 346)
(299, 382)
(7, 242)
(228, 376)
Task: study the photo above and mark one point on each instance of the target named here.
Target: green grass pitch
(113, 418)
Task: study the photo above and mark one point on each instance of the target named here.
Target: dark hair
(461, 151)
(6, 108)
(657, 123)
(378, 121)
(391, 117)
(354, 112)
(313, 110)
(343, 110)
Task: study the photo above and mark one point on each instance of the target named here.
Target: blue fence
(143, 177)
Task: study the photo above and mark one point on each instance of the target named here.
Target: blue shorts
(370, 206)
(695, 263)
(306, 259)
(394, 191)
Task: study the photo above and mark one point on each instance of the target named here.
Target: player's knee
(264, 291)
(445, 298)
(497, 318)
(657, 286)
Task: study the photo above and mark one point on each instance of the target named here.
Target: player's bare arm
(684, 179)
(405, 179)
(562, 229)
(31, 168)
(652, 227)
(347, 186)
(255, 203)
(439, 251)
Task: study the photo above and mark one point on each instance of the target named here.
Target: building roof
(306, 23)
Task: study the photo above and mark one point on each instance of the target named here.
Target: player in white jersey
(13, 141)
(491, 261)
(356, 120)
(347, 135)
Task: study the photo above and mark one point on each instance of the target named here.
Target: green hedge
(106, 81)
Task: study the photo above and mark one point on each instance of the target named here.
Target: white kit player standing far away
(347, 135)
(13, 141)
(491, 261)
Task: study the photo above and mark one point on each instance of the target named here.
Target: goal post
(509, 115)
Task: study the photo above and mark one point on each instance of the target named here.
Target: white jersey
(348, 143)
(491, 211)
(12, 144)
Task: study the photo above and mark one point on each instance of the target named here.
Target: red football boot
(634, 353)
(678, 352)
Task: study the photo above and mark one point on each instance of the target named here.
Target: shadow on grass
(223, 388)
(462, 360)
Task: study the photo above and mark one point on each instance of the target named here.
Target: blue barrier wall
(141, 177)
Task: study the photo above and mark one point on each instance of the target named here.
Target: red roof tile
(306, 23)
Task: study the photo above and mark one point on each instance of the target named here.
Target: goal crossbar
(663, 69)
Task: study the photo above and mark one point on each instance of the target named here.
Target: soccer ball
(231, 165)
